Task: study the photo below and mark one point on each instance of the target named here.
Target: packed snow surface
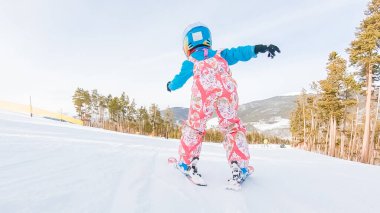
(48, 166)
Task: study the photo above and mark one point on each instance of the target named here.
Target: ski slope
(48, 166)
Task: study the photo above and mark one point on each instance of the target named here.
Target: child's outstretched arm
(245, 53)
(181, 78)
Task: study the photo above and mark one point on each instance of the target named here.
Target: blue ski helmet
(196, 35)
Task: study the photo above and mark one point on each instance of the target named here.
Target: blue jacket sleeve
(234, 55)
(181, 78)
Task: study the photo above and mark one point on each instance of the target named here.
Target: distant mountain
(270, 116)
(267, 109)
(180, 113)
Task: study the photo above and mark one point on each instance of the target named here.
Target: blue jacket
(232, 56)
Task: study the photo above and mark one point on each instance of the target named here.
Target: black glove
(271, 49)
(260, 48)
(167, 86)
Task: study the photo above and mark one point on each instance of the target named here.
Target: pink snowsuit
(214, 89)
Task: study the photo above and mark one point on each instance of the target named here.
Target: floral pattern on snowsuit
(214, 89)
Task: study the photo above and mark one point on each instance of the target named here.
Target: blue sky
(49, 48)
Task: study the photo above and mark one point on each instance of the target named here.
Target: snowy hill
(48, 166)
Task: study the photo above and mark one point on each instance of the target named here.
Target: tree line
(253, 137)
(120, 113)
(340, 117)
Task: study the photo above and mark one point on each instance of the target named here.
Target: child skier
(213, 89)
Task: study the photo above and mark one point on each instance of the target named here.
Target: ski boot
(238, 176)
(191, 171)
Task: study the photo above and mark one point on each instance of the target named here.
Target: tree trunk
(366, 136)
(327, 139)
(318, 139)
(351, 142)
(304, 122)
(354, 146)
(332, 136)
(372, 146)
(312, 133)
(342, 145)
(343, 135)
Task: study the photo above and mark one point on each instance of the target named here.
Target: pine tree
(95, 98)
(298, 120)
(155, 119)
(102, 108)
(115, 109)
(168, 121)
(124, 103)
(330, 105)
(364, 53)
(349, 98)
(82, 103)
(131, 114)
(331, 87)
(143, 118)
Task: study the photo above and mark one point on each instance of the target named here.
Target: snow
(278, 123)
(48, 166)
(212, 123)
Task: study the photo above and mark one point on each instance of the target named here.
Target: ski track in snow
(49, 166)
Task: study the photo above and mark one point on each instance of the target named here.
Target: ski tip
(196, 182)
(201, 184)
(251, 169)
(172, 160)
(234, 187)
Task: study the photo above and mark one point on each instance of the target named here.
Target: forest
(339, 116)
(120, 113)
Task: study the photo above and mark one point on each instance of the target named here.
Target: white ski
(195, 179)
(235, 185)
